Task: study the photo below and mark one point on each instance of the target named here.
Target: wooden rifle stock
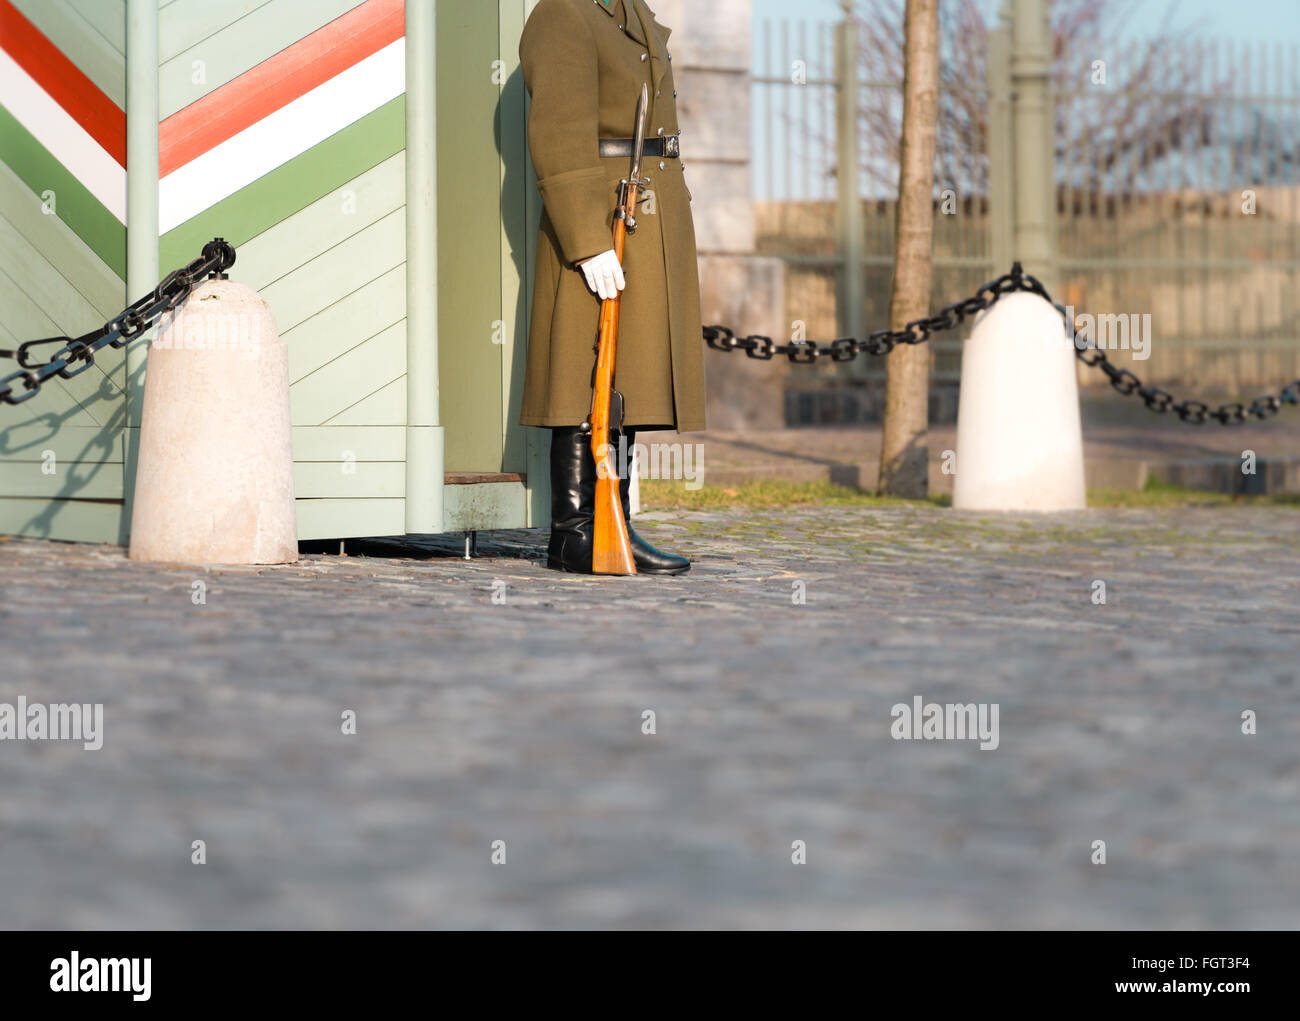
(611, 549)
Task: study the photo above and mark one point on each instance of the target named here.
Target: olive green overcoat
(584, 62)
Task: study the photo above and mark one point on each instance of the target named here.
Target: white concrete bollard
(214, 475)
(1019, 440)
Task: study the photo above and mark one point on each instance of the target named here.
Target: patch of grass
(1157, 493)
(659, 494)
(662, 494)
(1156, 496)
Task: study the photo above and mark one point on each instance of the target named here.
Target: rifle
(611, 550)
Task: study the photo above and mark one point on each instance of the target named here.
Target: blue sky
(1274, 20)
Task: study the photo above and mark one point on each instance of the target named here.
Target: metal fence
(803, 134)
(1175, 176)
(1177, 187)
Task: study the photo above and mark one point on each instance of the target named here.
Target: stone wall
(711, 61)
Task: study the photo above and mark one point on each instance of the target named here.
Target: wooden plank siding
(66, 520)
(230, 39)
(62, 263)
(320, 236)
(320, 232)
(80, 35)
(469, 225)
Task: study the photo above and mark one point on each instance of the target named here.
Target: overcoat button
(663, 165)
(661, 131)
(644, 56)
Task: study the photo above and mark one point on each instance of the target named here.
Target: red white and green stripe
(63, 136)
(278, 110)
(254, 150)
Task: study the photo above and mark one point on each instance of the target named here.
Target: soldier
(584, 62)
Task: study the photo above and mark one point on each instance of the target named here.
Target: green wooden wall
(62, 269)
(334, 275)
(90, 33)
(229, 37)
(487, 224)
(323, 239)
(469, 221)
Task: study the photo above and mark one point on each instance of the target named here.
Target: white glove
(604, 274)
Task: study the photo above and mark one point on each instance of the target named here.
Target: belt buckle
(672, 146)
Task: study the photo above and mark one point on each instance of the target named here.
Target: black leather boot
(573, 501)
(648, 560)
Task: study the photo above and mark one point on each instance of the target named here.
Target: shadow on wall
(24, 447)
(515, 186)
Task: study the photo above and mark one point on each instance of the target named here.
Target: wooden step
(481, 478)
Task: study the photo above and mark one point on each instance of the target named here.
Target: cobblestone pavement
(522, 722)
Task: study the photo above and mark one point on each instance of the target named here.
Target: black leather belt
(662, 147)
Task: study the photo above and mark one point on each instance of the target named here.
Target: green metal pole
(850, 225)
(1035, 177)
(424, 433)
(142, 211)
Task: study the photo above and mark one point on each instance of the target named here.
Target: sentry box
(369, 163)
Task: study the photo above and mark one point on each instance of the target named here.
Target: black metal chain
(1193, 412)
(75, 356)
(806, 352)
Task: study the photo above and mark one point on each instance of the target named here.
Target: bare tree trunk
(904, 459)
